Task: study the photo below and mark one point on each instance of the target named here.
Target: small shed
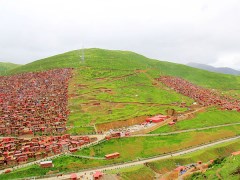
(73, 149)
(46, 164)
(171, 123)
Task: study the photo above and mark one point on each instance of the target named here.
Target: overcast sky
(182, 31)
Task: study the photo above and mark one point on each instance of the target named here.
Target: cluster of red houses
(14, 151)
(201, 95)
(34, 102)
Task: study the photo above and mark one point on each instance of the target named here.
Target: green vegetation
(165, 165)
(142, 147)
(205, 155)
(132, 172)
(69, 164)
(114, 86)
(5, 67)
(123, 83)
(226, 168)
(211, 117)
(126, 60)
(122, 95)
(146, 173)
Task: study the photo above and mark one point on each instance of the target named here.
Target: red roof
(157, 118)
(179, 168)
(171, 123)
(73, 176)
(97, 174)
(236, 153)
(113, 154)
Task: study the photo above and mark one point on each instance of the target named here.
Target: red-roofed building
(171, 123)
(236, 153)
(97, 175)
(180, 168)
(156, 119)
(73, 176)
(112, 156)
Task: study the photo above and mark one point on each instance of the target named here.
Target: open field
(211, 117)
(142, 147)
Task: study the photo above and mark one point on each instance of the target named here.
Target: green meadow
(211, 117)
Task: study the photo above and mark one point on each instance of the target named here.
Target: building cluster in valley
(201, 95)
(34, 103)
(14, 151)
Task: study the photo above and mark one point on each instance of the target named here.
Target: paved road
(87, 173)
(187, 130)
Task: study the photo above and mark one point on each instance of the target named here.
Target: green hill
(113, 87)
(130, 79)
(5, 67)
(126, 60)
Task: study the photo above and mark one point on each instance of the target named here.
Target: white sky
(182, 31)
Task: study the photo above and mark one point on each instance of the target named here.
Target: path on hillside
(123, 165)
(187, 130)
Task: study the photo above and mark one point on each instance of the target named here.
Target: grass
(211, 117)
(142, 147)
(166, 165)
(129, 76)
(229, 168)
(129, 97)
(132, 172)
(81, 130)
(126, 60)
(66, 164)
(205, 155)
(5, 67)
(145, 173)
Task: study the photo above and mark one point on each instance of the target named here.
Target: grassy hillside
(121, 94)
(142, 147)
(122, 82)
(225, 168)
(211, 117)
(5, 67)
(126, 60)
